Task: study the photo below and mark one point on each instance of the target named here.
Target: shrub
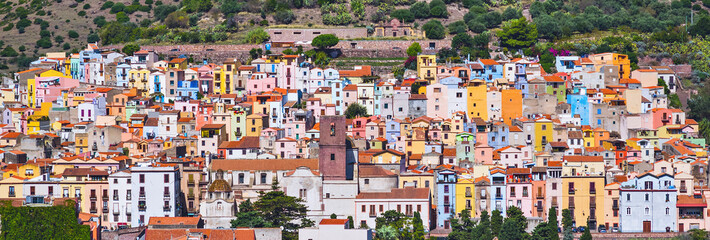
(403, 15)
(162, 11)
(177, 19)
(420, 10)
(58, 39)
(9, 27)
(9, 52)
(117, 7)
(86, 6)
(284, 16)
(23, 23)
(81, 13)
(100, 21)
(434, 29)
(73, 34)
(44, 43)
(130, 48)
(325, 41)
(122, 17)
(93, 38)
(66, 46)
(44, 33)
(256, 36)
(476, 26)
(107, 5)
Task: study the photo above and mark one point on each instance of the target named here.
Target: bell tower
(332, 148)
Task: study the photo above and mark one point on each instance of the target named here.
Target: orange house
(600, 135)
(511, 105)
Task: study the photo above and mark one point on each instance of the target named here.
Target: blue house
(647, 203)
(567, 64)
(498, 135)
(445, 194)
(579, 104)
(491, 69)
(498, 190)
(188, 89)
(393, 131)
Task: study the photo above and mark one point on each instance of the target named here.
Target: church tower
(332, 156)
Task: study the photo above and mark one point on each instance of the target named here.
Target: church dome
(220, 185)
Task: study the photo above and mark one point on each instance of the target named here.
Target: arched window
(332, 129)
(628, 211)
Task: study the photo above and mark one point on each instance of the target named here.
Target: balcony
(554, 204)
(191, 182)
(690, 216)
(105, 210)
(11, 194)
(166, 195)
(93, 210)
(592, 205)
(615, 207)
(93, 198)
(683, 190)
(468, 194)
(191, 196)
(128, 196)
(499, 196)
(105, 198)
(166, 208)
(141, 208)
(540, 196)
(204, 182)
(373, 214)
(593, 191)
(116, 211)
(141, 194)
(571, 191)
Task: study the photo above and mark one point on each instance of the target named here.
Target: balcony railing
(128, 196)
(93, 198)
(166, 195)
(373, 214)
(571, 191)
(105, 198)
(11, 194)
(592, 205)
(141, 194)
(615, 207)
(166, 208)
(540, 196)
(191, 196)
(191, 182)
(468, 194)
(93, 210)
(499, 196)
(690, 216)
(105, 210)
(115, 197)
(592, 191)
(683, 190)
(141, 208)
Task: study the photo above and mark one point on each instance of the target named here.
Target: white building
(369, 206)
(219, 207)
(334, 229)
(155, 192)
(119, 187)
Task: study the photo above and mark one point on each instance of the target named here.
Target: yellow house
(620, 60)
(584, 197)
(466, 195)
(611, 205)
(426, 67)
(582, 165)
(588, 136)
(7, 95)
(477, 99)
(543, 133)
(255, 123)
(138, 78)
(418, 179)
(11, 187)
(31, 90)
(53, 73)
(179, 63)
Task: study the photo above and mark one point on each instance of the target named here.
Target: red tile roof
(397, 193)
(333, 221)
(174, 221)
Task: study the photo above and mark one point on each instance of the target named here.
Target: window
(668, 211)
(332, 156)
(141, 178)
(647, 211)
(263, 178)
(647, 197)
(628, 197)
(628, 211)
(241, 178)
(367, 181)
(166, 178)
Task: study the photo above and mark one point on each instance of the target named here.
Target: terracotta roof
(517, 171)
(174, 221)
(212, 126)
(397, 193)
(374, 171)
(245, 142)
(553, 79)
(84, 172)
(169, 234)
(417, 97)
(333, 221)
(584, 158)
(358, 71)
(177, 60)
(559, 144)
(691, 201)
(489, 62)
(264, 164)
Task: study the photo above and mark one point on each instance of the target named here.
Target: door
(680, 227)
(646, 226)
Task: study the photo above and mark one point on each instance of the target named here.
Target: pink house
(664, 116)
(359, 127)
(316, 106)
(520, 189)
(437, 100)
(187, 106)
(203, 116)
(259, 83)
(48, 89)
(484, 153)
(286, 148)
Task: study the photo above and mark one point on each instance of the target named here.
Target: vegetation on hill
(57, 222)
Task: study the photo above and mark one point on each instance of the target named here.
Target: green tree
(249, 217)
(179, 19)
(418, 227)
(387, 233)
(434, 29)
(552, 224)
(461, 40)
(333, 216)
(398, 72)
(511, 13)
(9, 52)
(162, 11)
(414, 49)
(547, 61)
(518, 34)
(351, 223)
(567, 221)
(325, 41)
(256, 36)
(437, 9)
(279, 209)
(514, 226)
(587, 235)
(496, 222)
(403, 15)
(567, 234)
(420, 9)
(122, 17)
(44, 42)
(130, 48)
(355, 110)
